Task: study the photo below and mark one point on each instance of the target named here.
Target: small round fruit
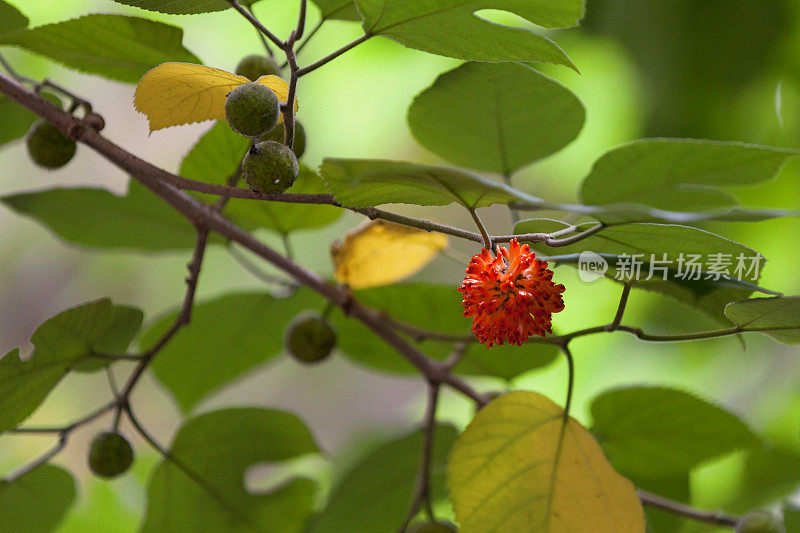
(432, 527)
(270, 167)
(252, 109)
(760, 521)
(276, 134)
(110, 455)
(310, 339)
(48, 147)
(254, 66)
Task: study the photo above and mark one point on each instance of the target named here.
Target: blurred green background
(720, 69)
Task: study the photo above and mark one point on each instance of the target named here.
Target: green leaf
(18, 119)
(366, 182)
(338, 9)
(680, 174)
(791, 517)
(676, 246)
(285, 217)
(657, 433)
(226, 338)
(218, 448)
(11, 19)
(676, 489)
(99, 219)
(37, 501)
(495, 116)
(375, 495)
(769, 475)
(114, 46)
(63, 343)
(777, 317)
(216, 156)
(433, 308)
(521, 465)
(183, 7)
(451, 28)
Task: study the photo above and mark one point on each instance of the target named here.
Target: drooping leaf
(63, 343)
(37, 501)
(495, 116)
(114, 46)
(286, 217)
(338, 9)
(656, 432)
(226, 338)
(681, 262)
(451, 28)
(217, 449)
(680, 174)
(380, 253)
(434, 308)
(365, 182)
(99, 219)
(517, 467)
(777, 317)
(172, 94)
(183, 7)
(11, 18)
(375, 495)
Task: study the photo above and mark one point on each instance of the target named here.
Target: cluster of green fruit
(254, 111)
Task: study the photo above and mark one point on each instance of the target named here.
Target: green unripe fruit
(276, 134)
(760, 521)
(270, 167)
(110, 455)
(48, 147)
(252, 109)
(310, 339)
(254, 66)
(432, 527)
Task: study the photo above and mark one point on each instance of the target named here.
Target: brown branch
(182, 320)
(205, 216)
(422, 488)
(256, 23)
(710, 517)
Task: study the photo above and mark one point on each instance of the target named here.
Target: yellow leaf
(517, 468)
(180, 93)
(380, 252)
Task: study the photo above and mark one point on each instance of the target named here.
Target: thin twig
(311, 34)
(487, 241)
(718, 518)
(623, 302)
(251, 267)
(256, 23)
(182, 320)
(325, 60)
(263, 39)
(202, 483)
(422, 488)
